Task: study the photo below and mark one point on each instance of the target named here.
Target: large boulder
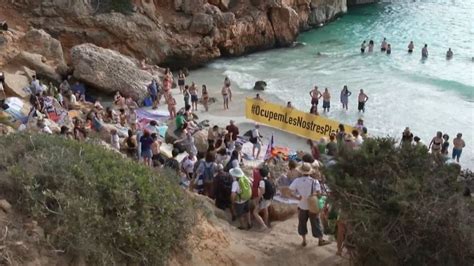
(202, 23)
(39, 42)
(15, 82)
(37, 63)
(285, 23)
(280, 211)
(109, 71)
(260, 85)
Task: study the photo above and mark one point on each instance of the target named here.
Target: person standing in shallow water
(371, 46)
(449, 54)
(383, 46)
(345, 93)
(326, 100)
(362, 47)
(424, 52)
(389, 49)
(315, 95)
(411, 46)
(459, 144)
(363, 98)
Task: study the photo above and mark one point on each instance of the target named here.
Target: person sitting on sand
(424, 52)
(383, 46)
(436, 142)
(345, 93)
(226, 95)
(241, 205)
(363, 98)
(458, 144)
(326, 100)
(205, 98)
(411, 46)
(315, 95)
(303, 187)
(449, 54)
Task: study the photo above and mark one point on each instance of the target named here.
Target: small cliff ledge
(178, 32)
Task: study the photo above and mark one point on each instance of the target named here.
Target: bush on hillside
(403, 206)
(93, 203)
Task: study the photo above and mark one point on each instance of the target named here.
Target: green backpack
(245, 188)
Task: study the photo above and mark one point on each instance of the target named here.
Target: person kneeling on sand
(240, 197)
(302, 188)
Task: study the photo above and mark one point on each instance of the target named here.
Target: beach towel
(159, 116)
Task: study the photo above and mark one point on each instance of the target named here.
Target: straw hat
(236, 172)
(305, 169)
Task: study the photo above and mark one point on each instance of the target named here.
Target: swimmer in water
(389, 49)
(371, 46)
(383, 46)
(449, 54)
(411, 46)
(424, 52)
(362, 47)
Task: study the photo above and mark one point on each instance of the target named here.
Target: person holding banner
(345, 93)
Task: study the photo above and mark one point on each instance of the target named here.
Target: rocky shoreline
(178, 33)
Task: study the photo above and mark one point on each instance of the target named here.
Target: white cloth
(115, 141)
(359, 140)
(302, 186)
(188, 165)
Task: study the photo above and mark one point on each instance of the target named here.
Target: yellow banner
(291, 120)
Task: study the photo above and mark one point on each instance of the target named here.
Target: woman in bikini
(436, 142)
(205, 98)
(171, 106)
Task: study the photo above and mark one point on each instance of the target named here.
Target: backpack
(269, 190)
(245, 188)
(208, 174)
(223, 190)
(256, 182)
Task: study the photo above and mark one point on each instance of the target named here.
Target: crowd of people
(386, 47)
(316, 96)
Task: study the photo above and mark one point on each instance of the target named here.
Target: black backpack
(269, 190)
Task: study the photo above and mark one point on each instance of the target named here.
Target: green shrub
(403, 206)
(92, 202)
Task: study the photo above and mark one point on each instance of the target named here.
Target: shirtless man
(411, 46)
(449, 54)
(258, 98)
(459, 144)
(363, 98)
(326, 100)
(315, 95)
(193, 91)
(383, 46)
(226, 95)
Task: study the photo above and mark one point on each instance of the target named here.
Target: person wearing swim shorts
(459, 144)
(326, 100)
(315, 95)
(193, 90)
(363, 98)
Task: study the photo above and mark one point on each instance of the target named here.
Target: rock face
(40, 42)
(109, 71)
(177, 32)
(260, 85)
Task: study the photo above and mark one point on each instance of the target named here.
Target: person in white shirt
(303, 187)
(358, 140)
(187, 166)
(241, 207)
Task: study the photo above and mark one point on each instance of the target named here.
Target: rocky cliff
(176, 32)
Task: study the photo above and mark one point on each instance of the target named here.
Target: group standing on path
(386, 47)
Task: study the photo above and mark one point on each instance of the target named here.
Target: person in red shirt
(232, 131)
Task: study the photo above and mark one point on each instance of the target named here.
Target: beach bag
(313, 201)
(245, 188)
(256, 182)
(269, 190)
(148, 102)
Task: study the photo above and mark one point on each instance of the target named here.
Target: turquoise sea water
(428, 96)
